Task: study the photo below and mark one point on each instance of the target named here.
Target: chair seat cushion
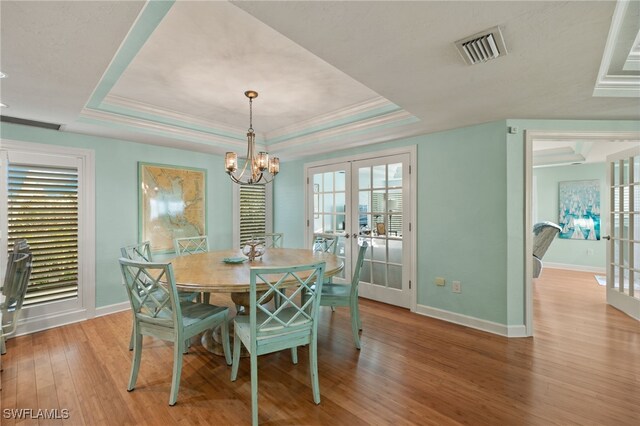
(285, 316)
(195, 312)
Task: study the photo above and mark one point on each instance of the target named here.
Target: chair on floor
(289, 326)
(327, 243)
(543, 235)
(159, 312)
(192, 245)
(271, 239)
(142, 253)
(347, 295)
(14, 289)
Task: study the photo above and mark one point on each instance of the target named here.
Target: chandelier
(253, 171)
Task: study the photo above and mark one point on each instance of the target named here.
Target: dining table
(229, 271)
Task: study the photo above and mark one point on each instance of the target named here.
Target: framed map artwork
(172, 204)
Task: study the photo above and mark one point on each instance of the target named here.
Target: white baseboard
(112, 309)
(569, 267)
(477, 323)
(35, 324)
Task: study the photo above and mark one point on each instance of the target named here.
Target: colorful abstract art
(579, 205)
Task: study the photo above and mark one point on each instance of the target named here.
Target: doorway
(368, 198)
(556, 153)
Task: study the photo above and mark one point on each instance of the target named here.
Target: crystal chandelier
(254, 168)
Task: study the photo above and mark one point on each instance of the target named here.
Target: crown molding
(179, 133)
(362, 126)
(611, 83)
(371, 106)
(161, 115)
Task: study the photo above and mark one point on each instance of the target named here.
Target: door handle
(606, 237)
(346, 235)
(354, 235)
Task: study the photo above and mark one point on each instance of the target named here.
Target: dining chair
(271, 239)
(334, 294)
(14, 290)
(190, 245)
(142, 253)
(287, 327)
(159, 312)
(323, 242)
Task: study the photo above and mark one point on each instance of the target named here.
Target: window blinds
(43, 209)
(253, 206)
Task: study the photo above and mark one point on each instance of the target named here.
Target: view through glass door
(623, 248)
(367, 200)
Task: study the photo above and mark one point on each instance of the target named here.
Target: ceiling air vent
(482, 47)
(33, 123)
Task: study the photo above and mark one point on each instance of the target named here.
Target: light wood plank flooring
(582, 367)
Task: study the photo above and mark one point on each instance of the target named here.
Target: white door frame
(530, 136)
(412, 150)
(38, 318)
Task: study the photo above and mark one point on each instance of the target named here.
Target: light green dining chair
(142, 253)
(323, 242)
(159, 312)
(14, 290)
(334, 294)
(191, 245)
(271, 239)
(289, 326)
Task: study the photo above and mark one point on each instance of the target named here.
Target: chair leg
(333, 308)
(131, 339)
(3, 346)
(236, 357)
(354, 324)
(135, 364)
(294, 354)
(254, 389)
(313, 369)
(178, 349)
(225, 340)
(357, 308)
(205, 298)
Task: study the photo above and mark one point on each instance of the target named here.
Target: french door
(367, 200)
(623, 248)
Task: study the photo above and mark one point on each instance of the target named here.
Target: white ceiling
(329, 75)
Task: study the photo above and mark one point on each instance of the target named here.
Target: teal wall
(117, 195)
(571, 252)
(469, 225)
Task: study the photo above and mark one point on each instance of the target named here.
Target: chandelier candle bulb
(274, 166)
(263, 161)
(231, 161)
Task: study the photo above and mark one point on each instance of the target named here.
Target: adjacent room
(312, 212)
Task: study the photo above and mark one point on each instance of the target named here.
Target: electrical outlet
(456, 287)
(439, 281)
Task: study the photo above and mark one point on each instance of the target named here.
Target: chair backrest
(152, 292)
(327, 243)
(271, 239)
(355, 279)
(544, 233)
(190, 245)
(19, 247)
(289, 317)
(15, 290)
(140, 252)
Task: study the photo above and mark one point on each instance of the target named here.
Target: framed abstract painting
(579, 209)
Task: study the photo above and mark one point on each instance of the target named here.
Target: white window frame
(236, 212)
(54, 314)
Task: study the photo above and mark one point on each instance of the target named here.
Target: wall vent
(33, 123)
(482, 47)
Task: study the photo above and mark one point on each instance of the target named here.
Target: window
(48, 198)
(253, 211)
(43, 208)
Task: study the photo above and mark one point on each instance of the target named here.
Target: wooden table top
(207, 272)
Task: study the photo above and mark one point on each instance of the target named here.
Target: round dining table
(209, 273)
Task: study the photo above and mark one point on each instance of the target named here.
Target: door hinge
(409, 284)
(307, 223)
(409, 169)
(409, 226)
(307, 180)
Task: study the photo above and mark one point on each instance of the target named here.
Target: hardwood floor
(582, 367)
